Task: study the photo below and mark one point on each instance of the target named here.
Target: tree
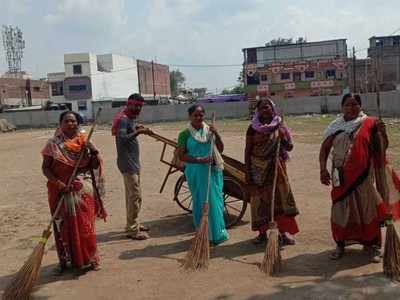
(177, 79)
(239, 89)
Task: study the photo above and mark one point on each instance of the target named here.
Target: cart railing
(232, 166)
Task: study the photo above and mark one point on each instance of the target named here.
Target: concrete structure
(18, 92)
(299, 69)
(390, 105)
(385, 54)
(154, 80)
(364, 76)
(88, 78)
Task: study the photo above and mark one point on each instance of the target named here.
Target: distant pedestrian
(126, 130)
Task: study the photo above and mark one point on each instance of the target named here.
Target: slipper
(144, 228)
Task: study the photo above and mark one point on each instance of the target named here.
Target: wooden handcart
(235, 195)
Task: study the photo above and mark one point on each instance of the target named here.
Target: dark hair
(261, 101)
(194, 107)
(136, 96)
(78, 117)
(349, 95)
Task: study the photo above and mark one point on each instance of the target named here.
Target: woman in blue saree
(194, 149)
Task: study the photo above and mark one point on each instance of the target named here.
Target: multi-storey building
(297, 69)
(89, 77)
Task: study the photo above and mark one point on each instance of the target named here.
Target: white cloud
(110, 12)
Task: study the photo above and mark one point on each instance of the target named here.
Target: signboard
(322, 84)
(262, 88)
(290, 86)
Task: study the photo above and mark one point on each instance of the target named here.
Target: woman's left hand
(381, 126)
(282, 133)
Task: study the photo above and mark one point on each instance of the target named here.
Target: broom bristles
(391, 254)
(199, 254)
(22, 284)
(272, 258)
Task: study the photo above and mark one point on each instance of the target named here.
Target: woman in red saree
(361, 195)
(74, 227)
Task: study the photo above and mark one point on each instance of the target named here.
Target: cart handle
(163, 139)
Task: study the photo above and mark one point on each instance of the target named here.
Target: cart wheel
(235, 203)
(182, 194)
(234, 199)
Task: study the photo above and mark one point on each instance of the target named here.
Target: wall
(160, 113)
(13, 91)
(390, 105)
(32, 119)
(115, 84)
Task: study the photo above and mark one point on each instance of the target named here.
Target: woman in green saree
(194, 149)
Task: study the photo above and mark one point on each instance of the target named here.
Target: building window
(36, 88)
(309, 74)
(77, 88)
(264, 77)
(82, 105)
(77, 69)
(57, 88)
(330, 74)
(285, 76)
(296, 76)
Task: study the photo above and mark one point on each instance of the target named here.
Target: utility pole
(366, 76)
(154, 89)
(377, 85)
(354, 71)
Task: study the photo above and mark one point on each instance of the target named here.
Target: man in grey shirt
(126, 131)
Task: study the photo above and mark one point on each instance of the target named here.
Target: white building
(89, 77)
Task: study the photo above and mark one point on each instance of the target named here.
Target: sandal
(286, 241)
(95, 267)
(144, 228)
(374, 253)
(140, 236)
(337, 254)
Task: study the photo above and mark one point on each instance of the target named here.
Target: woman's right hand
(325, 177)
(203, 160)
(62, 186)
(249, 180)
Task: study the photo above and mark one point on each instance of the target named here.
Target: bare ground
(150, 269)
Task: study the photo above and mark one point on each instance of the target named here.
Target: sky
(186, 32)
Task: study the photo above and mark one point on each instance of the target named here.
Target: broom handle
(72, 177)
(275, 177)
(211, 159)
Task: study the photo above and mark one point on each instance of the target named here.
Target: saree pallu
(262, 171)
(366, 195)
(197, 179)
(74, 227)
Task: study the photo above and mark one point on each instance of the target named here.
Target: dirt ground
(151, 269)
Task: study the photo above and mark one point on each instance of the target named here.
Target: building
(363, 74)
(296, 69)
(20, 91)
(385, 54)
(153, 80)
(88, 77)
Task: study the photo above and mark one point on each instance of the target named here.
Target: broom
(272, 256)
(22, 284)
(199, 254)
(391, 254)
